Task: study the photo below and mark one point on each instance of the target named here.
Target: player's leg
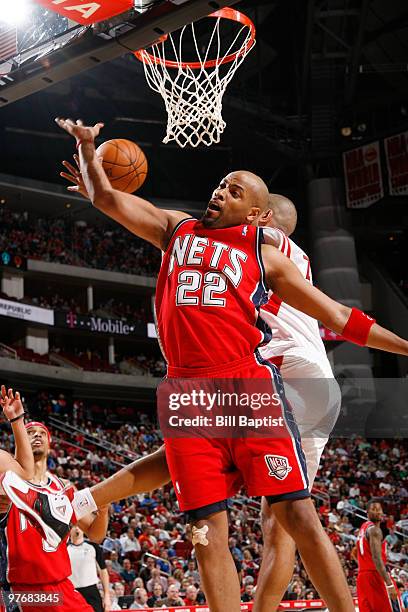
(278, 561)
(315, 400)
(364, 587)
(300, 520)
(219, 578)
(145, 474)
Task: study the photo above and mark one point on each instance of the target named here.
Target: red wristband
(358, 327)
(79, 142)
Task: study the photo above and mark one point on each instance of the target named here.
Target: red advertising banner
(86, 12)
(396, 152)
(362, 172)
(304, 604)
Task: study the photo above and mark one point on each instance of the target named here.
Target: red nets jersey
(210, 287)
(25, 556)
(365, 560)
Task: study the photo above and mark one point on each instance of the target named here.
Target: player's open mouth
(214, 207)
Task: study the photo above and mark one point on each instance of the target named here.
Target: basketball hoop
(193, 90)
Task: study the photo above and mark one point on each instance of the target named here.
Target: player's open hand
(74, 175)
(11, 404)
(78, 130)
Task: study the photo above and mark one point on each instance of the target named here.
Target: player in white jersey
(297, 349)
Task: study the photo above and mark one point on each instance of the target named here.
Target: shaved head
(255, 185)
(240, 198)
(284, 214)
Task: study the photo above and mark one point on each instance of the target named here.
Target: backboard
(47, 48)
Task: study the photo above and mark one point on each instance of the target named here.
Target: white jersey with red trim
(25, 558)
(290, 327)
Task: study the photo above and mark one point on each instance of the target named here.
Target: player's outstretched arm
(136, 214)
(286, 281)
(145, 474)
(13, 409)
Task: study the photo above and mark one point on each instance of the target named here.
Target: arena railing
(106, 446)
(7, 351)
(63, 442)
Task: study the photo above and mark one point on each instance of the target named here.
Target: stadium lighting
(15, 12)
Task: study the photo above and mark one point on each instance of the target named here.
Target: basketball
(124, 163)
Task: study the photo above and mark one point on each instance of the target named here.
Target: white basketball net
(193, 97)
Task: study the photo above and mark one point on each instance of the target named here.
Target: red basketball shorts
(207, 470)
(373, 596)
(63, 593)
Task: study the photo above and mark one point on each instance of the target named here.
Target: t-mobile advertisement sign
(99, 325)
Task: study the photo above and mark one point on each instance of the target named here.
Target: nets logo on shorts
(278, 466)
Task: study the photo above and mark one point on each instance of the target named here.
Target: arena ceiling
(318, 66)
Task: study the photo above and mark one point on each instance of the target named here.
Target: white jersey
(291, 329)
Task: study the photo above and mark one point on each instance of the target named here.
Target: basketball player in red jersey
(27, 562)
(224, 251)
(376, 590)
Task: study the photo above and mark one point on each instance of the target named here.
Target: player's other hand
(74, 175)
(78, 130)
(11, 404)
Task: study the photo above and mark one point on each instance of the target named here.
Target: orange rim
(225, 13)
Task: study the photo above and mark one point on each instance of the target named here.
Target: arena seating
(60, 241)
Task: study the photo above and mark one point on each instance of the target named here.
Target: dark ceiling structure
(318, 66)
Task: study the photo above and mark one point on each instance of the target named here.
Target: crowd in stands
(149, 555)
(75, 243)
(93, 360)
(108, 309)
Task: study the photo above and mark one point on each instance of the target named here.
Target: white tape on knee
(199, 535)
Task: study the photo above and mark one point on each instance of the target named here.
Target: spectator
(140, 599)
(129, 542)
(127, 574)
(124, 601)
(248, 593)
(173, 598)
(146, 571)
(192, 571)
(157, 577)
(114, 600)
(113, 576)
(116, 566)
(156, 600)
(191, 598)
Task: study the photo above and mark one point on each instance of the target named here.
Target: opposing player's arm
(136, 214)
(286, 281)
(23, 463)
